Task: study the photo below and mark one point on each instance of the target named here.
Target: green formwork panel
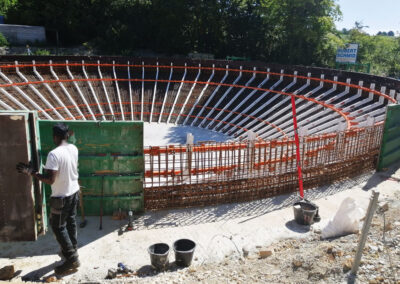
(390, 149)
(93, 137)
(110, 161)
(110, 164)
(92, 205)
(113, 186)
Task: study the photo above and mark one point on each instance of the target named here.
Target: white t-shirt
(64, 160)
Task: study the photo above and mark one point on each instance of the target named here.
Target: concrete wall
(17, 34)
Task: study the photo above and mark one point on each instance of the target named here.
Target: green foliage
(382, 51)
(3, 40)
(5, 5)
(42, 52)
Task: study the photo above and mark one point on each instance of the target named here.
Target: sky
(381, 15)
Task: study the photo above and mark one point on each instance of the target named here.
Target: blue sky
(382, 15)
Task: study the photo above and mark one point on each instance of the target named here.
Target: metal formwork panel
(390, 150)
(110, 160)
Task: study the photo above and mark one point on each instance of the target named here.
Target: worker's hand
(25, 168)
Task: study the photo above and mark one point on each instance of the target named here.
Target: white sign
(348, 54)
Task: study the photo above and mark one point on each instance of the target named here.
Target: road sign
(347, 54)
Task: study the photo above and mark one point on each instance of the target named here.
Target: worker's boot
(69, 265)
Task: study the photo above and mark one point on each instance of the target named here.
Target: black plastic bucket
(304, 212)
(159, 255)
(184, 250)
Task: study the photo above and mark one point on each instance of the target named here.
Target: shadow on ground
(293, 226)
(381, 176)
(251, 210)
(37, 274)
(47, 245)
(149, 271)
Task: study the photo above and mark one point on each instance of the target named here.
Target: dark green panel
(110, 158)
(111, 164)
(110, 205)
(96, 138)
(390, 149)
(392, 145)
(113, 186)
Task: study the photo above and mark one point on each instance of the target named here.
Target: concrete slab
(167, 134)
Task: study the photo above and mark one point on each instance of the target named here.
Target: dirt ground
(307, 260)
(254, 242)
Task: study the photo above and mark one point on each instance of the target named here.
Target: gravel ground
(306, 260)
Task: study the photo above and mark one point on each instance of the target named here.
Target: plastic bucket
(304, 212)
(159, 255)
(184, 250)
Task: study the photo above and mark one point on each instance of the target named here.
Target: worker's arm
(48, 176)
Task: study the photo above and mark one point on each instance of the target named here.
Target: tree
(381, 51)
(5, 5)
(359, 26)
(286, 31)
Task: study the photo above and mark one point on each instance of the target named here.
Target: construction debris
(112, 273)
(345, 221)
(122, 271)
(7, 272)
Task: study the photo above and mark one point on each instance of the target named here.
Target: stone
(7, 272)
(317, 274)
(347, 265)
(297, 263)
(112, 273)
(51, 279)
(384, 207)
(339, 253)
(388, 227)
(275, 272)
(373, 248)
(264, 253)
(245, 251)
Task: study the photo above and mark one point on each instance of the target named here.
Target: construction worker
(61, 172)
(28, 50)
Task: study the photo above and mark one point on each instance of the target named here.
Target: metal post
(367, 223)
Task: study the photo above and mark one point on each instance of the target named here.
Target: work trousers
(63, 223)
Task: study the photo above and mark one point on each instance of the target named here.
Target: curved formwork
(339, 115)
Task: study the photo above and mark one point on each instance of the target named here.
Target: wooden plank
(17, 220)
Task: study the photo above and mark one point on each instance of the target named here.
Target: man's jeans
(63, 223)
